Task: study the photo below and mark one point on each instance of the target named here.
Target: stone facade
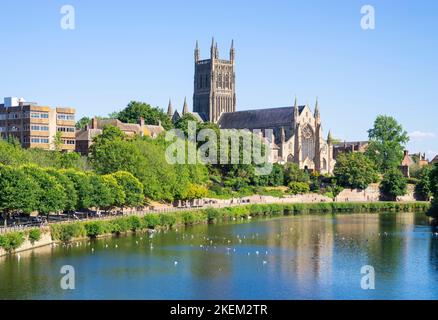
(214, 84)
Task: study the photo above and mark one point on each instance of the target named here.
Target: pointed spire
(216, 51)
(212, 48)
(232, 51)
(185, 107)
(197, 54)
(170, 109)
(296, 111)
(317, 114)
(329, 137)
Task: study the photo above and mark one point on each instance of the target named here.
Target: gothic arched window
(219, 80)
(227, 81)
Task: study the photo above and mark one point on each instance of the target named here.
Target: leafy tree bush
(11, 241)
(132, 188)
(293, 173)
(387, 142)
(34, 235)
(298, 187)
(151, 115)
(151, 220)
(83, 188)
(71, 199)
(51, 195)
(134, 223)
(394, 184)
(354, 170)
(423, 187)
(19, 192)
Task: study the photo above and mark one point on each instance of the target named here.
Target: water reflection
(299, 257)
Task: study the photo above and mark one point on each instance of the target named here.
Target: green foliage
(134, 223)
(34, 235)
(298, 187)
(387, 141)
(136, 110)
(11, 241)
(82, 186)
(132, 188)
(68, 231)
(355, 170)
(101, 193)
(68, 186)
(51, 197)
(168, 219)
(394, 184)
(82, 123)
(19, 191)
(151, 220)
(423, 187)
(293, 173)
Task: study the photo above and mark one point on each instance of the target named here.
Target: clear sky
(143, 50)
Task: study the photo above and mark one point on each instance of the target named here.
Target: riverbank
(15, 242)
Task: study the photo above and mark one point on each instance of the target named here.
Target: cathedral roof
(258, 119)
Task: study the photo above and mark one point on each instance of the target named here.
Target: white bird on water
(117, 245)
(18, 257)
(175, 263)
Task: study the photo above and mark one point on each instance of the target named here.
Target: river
(298, 257)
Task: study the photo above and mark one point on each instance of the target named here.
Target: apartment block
(36, 126)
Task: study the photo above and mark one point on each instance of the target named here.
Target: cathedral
(297, 131)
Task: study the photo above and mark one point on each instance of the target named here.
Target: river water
(298, 257)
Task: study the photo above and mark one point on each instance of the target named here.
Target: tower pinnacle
(170, 109)
(185, 107)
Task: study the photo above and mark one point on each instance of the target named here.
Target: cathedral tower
(214, 84)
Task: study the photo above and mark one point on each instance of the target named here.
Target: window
(39, 128)
(68, 142)
(2, 116)
(2, 129)
(39, 115)
(66, 129)
(68, 117)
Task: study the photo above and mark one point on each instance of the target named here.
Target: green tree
(116, 190)
(394, 184)
(82, 123)
(423, 188)
(101, 193)
(57, 141)
(18, 192)
(293, 173)
(132, 188)
(51, 196)
(296, 187)
(71, 199)
(82, 186)
(354, 170)
(151, 115)
(387, 142)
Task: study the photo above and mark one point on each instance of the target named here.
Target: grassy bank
(93, 229)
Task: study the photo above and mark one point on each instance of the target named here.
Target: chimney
(141, 121)
(94, 123)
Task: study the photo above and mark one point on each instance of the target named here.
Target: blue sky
(143, 50)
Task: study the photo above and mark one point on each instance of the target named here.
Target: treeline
(29, 188)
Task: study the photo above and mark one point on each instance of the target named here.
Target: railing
(81, 216)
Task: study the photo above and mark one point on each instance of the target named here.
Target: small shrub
(298, 187)
(167, 219)
(11, 241)
(34, 235)
(151, 220)
(134, 223)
